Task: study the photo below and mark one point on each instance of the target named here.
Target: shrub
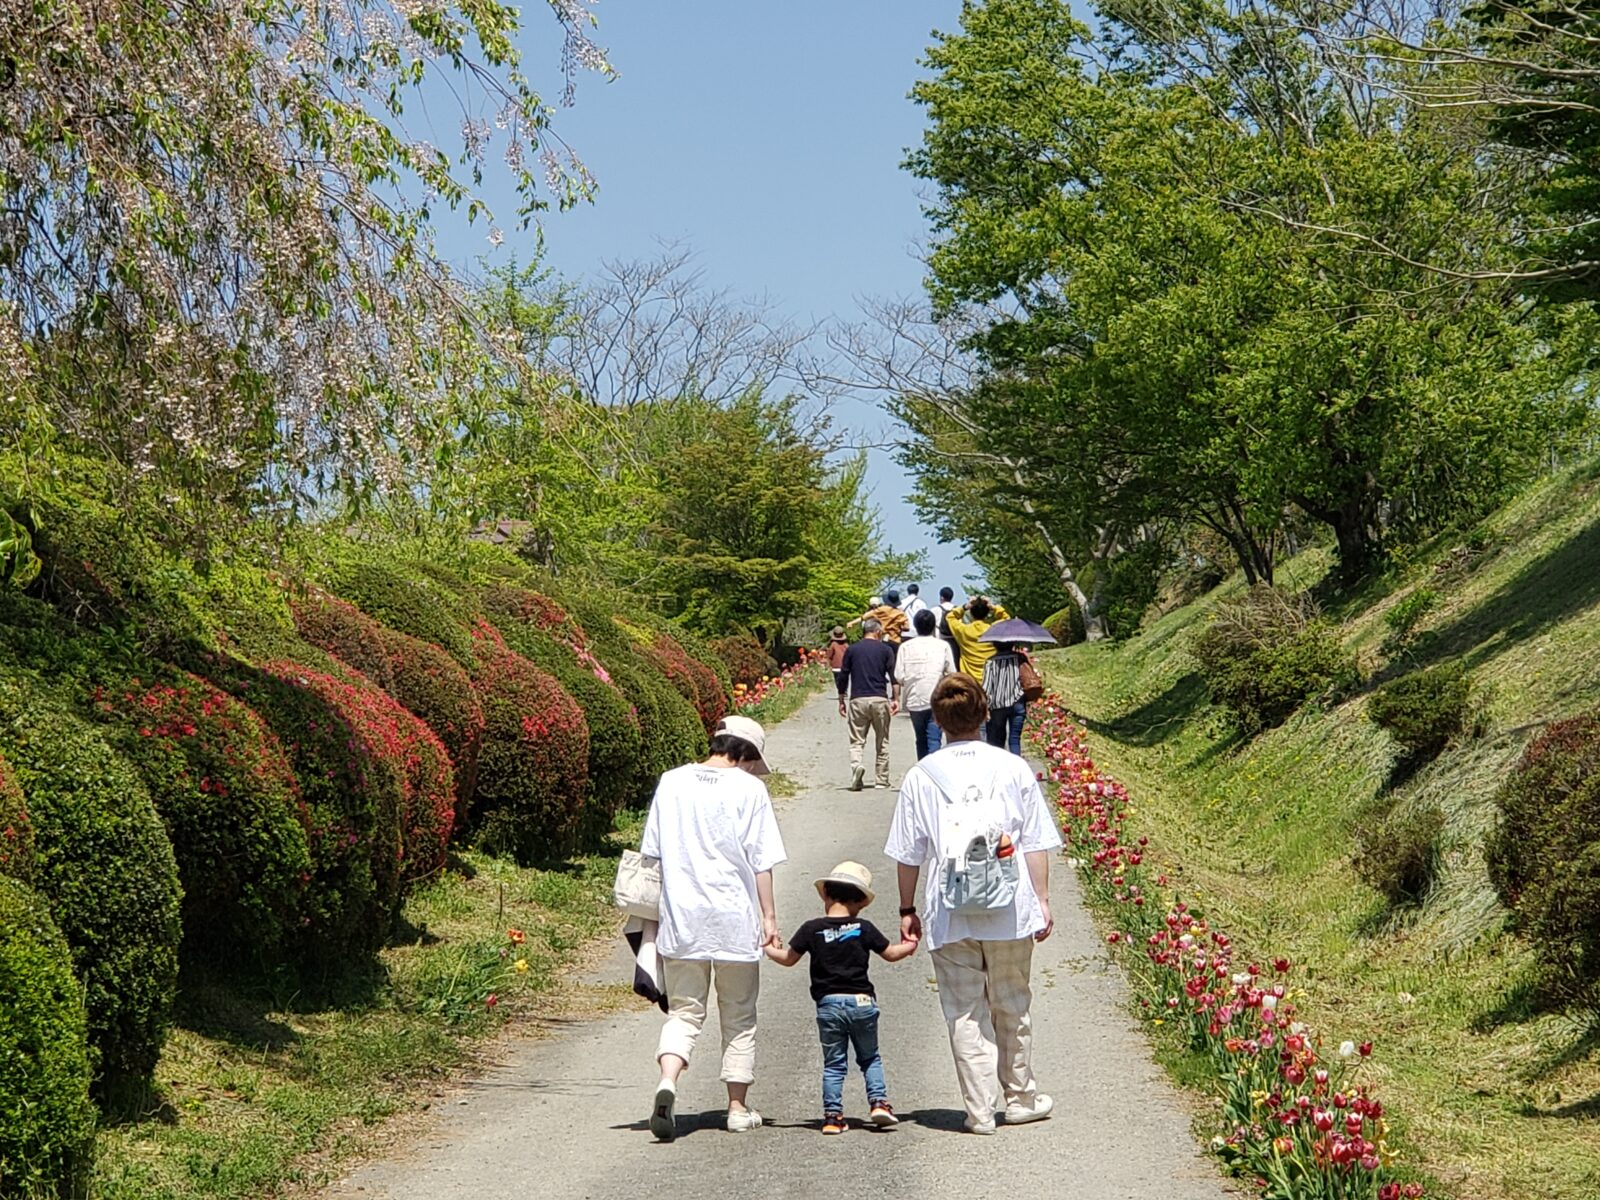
(16, 830)
(532, 772)
(46, 1119)
(747, 659)
(1267, 653)
(223, 785)
(670, 729)
(1424, 710)
(106, 868)
(421, 676)
(1397, 856)
(541, 631)
(351, 763)
(1065, 625)
(407, 601)
(1544, 853)
(694, 681)
(1407, 613)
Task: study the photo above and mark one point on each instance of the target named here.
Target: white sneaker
(744, 1120)
(1016, 1114)
(856, 777)
(985, 1129)
(663, 1124)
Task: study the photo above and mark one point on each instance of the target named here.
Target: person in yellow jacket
(975, 655)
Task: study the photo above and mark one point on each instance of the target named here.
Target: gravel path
(565, 1116)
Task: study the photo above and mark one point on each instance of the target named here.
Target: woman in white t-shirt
(712, 827)
(981, 960)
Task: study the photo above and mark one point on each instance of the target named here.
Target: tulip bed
(1296, 1116)
(774, 697)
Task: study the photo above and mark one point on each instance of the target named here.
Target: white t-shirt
(713, 830)
(911, 608)
(922, 663)
(915, 838)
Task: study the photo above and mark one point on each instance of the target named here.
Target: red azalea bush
(231, 804)
(541, 631)
(533, 769)
(421, 676)
(16, 832)
(351, 760)
(695, 681)
(1297, 1117)
(747, 659)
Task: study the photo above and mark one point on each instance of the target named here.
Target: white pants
(688, 992)
(979, 980)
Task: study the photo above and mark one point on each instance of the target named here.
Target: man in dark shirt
(869, 696)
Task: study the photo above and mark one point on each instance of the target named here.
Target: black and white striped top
(1002, 678)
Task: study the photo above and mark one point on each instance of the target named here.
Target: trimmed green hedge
(46, 1119)
(533, 772)
(746, 658)
(231, 803)
(106, 867)
(16, 829)
(421, 676)
(407, 601)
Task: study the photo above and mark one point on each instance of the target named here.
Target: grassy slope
(264, 1092)
(1495, 1099)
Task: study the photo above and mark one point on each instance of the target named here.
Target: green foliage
(232, 809)
(1544, 853)
(106, 867)
(1167, 352)
(19, 565)
(400, 595)
(46, 1119)
(1423, 711)
(1266, 654)
(1398, 855)
(1065, 625)
(1409, 612)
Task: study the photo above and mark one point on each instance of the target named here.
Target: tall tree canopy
(1154, 235)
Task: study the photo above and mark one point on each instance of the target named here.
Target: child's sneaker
(834, 1123)
(883, 1115)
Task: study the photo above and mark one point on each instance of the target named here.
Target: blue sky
(767, 137)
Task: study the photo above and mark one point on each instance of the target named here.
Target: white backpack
(973, 877)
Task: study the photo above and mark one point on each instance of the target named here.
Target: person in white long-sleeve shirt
(923, 661)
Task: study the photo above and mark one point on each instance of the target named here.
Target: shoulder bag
(637, 890)
(1031, 679)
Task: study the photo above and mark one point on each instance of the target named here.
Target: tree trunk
(1095, 628)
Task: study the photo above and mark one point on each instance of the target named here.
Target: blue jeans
(1005, 726)
(927, 733)
(842, 1022)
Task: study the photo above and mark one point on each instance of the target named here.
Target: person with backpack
(973, 828)
(914, 603)
(923, 661)
(947, 609)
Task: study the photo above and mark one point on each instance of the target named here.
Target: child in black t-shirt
(841, 944)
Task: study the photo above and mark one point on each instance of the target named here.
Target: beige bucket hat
(851, 874)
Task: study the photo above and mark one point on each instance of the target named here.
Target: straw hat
(838, 634)
(851, 874)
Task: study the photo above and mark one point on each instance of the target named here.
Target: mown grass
(1497, 1095)
(264, 1091)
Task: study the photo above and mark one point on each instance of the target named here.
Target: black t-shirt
(840, 949)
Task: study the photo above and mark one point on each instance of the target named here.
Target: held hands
(769, 932)
(911, 928)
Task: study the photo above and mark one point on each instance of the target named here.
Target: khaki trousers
(870, 713)
(979, 980)
(689, 983)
